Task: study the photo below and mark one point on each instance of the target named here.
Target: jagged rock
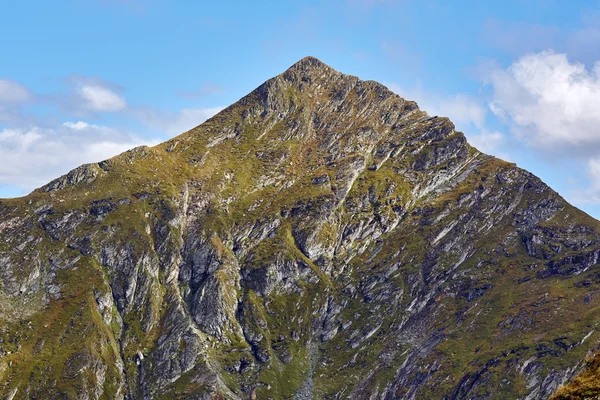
(87, 173)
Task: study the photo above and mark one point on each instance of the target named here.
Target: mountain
(320, 238)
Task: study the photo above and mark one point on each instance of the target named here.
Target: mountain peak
(313, 76)
(310, 62)
(309, 67)
(320, 212)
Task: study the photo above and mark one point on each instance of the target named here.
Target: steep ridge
(320, 238)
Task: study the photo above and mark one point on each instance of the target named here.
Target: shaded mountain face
(320, 238)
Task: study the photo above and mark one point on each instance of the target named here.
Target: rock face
(322, 238)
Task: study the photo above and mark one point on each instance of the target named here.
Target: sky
(83, 80)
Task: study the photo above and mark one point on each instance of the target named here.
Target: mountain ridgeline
(322, 238)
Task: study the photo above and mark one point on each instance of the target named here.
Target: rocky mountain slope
(322, 238)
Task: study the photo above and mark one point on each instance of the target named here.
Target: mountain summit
(320, 238)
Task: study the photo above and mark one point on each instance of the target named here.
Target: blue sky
(83, 80)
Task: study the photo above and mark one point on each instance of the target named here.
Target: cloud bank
(553, 105)
(33, 152)
(549, 101)
(33, 157)
(100, 99)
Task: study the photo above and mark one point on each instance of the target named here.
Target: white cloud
(97, 98)
(13, 93)
(553, 105)
(487, 141)
(33, 157)
(594, 171)
(549, 101)
(189, 118)
(79, 125)
(588, 192)
(12, 97)
(462, 108)
(205, 90)
(35, 149)
(15, 140)
(174, 123)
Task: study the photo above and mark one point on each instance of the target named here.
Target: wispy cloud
(173, 123)
(33, 153)
(88, 95)
(489, 142)
(98, 99)
(205, 90)
(462, 109)
(12, 98)
(82, 96)
(549, 101)
(552, 104)
(12, 92)
(32, 157)
(468, 113)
